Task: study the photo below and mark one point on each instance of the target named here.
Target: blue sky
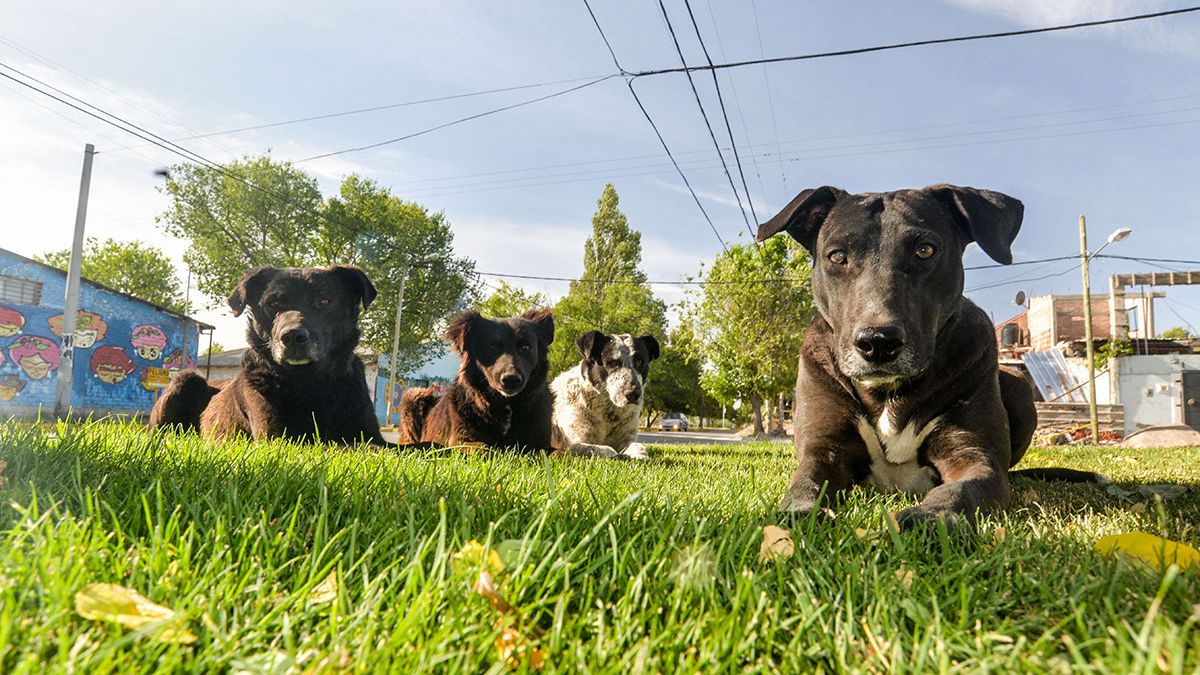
(1104, 122)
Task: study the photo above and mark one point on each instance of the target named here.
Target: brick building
(120, 343)
(1053, 319)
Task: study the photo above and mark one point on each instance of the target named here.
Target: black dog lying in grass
(500, 397)
(300, 377)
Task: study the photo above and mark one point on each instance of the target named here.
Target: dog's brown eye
(323, 302)
(838, 257)
(273, 304)
(925, 251)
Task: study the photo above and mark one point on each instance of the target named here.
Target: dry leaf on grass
(109, 602)
(1155, 551)
(3, 480)
(326, 591)
(905, 577)
(777, 544)
(515, 649)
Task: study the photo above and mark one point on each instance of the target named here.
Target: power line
(787, 194)
(919, 43)
(704, 116)
(650, 120)
(725, 114)
(188, 155)
(371, 109)
(460, 120)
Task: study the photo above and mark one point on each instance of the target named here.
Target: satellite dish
(1019, 299)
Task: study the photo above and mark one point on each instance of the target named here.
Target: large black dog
(500, 398)
(300, 377)
(898, 382)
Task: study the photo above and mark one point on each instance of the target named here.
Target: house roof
(109, 289)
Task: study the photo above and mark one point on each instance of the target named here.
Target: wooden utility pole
(62, 398)
(1087, 331)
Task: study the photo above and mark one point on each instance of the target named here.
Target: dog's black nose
(295, 336)
(879, 345)
(512, 380)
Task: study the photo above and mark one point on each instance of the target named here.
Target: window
(20, 291)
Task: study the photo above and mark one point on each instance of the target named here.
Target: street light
(404, 270)
(1085, 257)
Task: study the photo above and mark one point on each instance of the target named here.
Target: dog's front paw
(636, 451)
(930, 520)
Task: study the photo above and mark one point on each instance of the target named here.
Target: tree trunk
(756, 406)
(777, 415)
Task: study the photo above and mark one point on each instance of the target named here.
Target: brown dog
(500, 398)
(898, 383)
(300, 377)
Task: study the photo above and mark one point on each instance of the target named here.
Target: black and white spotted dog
(598, 404)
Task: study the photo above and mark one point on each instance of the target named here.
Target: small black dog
(500, 397)
(300, 377)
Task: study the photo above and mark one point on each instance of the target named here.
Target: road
(687, 437)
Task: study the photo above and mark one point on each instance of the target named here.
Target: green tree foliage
(140, 270)
(215, 348)
(674, 384)
(612, 294)
(230, 227)
(509, 300)
(1175, 333)
(748, 322)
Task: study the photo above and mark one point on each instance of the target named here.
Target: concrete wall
(1151, 388)
(117, 339)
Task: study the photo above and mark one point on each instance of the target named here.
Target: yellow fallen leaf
(473, 555)
(905, 577)
(515, 649)
(777, 544)
(1154, 551)
(109, 602)
(326, 591)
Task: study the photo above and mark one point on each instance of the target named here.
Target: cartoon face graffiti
(177, 361)
(89, 328)
(10, 386)
(111, 364)
(11, 322)
(37, 356)
(149, 341)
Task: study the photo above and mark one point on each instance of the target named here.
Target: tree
(131, 267)
(612, 294)
(748, 321)
(231, 226)
(674, 383)
(1176, 333)
(285, 222)
(214, 348)
(392, 234)
(509, 300)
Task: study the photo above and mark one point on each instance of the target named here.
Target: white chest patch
(894, 454)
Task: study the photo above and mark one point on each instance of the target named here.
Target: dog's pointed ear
(652, 349)
(990, 219)
(543, 323)
(250, 288)
(803, 216)
(591, 344)
(356, 280)
(460, 326)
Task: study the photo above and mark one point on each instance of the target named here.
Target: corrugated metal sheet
(1057, 380)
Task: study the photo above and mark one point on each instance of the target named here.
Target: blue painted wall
(117, 339)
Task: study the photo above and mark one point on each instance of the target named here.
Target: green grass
(625, 567)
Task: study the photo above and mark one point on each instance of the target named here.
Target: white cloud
(1164, 36)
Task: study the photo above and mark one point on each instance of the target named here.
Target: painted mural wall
(117, 339)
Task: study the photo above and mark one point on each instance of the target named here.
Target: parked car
(673, 422)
